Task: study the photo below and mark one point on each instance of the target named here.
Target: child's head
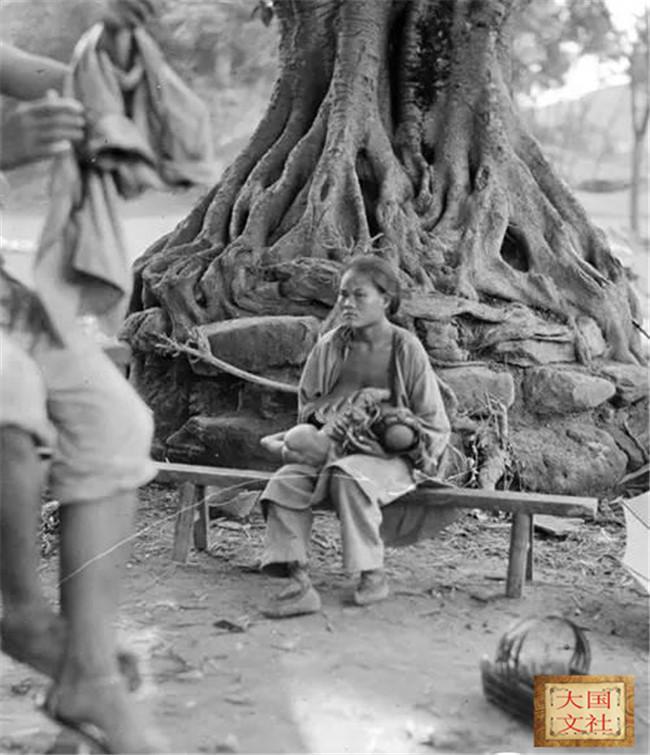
(398, 438)
(369, 290)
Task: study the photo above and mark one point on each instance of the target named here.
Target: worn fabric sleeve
(425, 401)
(310, 389)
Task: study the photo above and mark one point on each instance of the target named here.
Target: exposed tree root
(391, 128)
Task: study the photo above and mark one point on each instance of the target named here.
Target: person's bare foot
(36, 635)
(100, 706)
(372, 588)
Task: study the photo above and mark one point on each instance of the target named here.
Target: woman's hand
(337, 428)
(41, 129)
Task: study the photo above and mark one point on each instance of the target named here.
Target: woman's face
(361, 303)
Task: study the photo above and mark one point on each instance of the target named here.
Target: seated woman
(359, 475)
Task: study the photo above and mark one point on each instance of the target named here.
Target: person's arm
(25, 76)
(44, 125)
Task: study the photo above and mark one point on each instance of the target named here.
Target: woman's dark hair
(382, 275)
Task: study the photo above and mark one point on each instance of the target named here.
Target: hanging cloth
(146, 129)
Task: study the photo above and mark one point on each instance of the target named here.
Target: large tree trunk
(391, 127)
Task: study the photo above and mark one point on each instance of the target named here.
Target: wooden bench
(193, 514)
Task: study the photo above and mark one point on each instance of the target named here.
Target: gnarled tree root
(401, 138)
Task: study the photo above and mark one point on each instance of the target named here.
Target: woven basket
(509, 684)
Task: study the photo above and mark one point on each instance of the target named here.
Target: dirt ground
(398, 677)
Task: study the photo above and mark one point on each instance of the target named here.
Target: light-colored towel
(146, 130)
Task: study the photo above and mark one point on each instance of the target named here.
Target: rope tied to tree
(173, 347)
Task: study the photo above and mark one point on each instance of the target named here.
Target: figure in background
(345, 461)
(67, 395)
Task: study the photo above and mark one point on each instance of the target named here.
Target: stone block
(528, 352)
(231, 440)
(441, 341)
(163, 384)
(592, 336)
(631, 380)
(568, 457)
(630, 427)
(213, 396)
(257, 343)
(474, 383)
(549, 390)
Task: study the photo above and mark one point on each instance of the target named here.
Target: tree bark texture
(391, 128)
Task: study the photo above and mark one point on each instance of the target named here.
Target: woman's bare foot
(36, 636)
(101, 704)
(298, 598)
(372, 588)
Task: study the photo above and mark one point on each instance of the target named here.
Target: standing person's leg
(363, 549)
(31, 632)
(102, 456)
(95, 538)
(286, 502)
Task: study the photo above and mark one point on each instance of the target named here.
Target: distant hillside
(589, 138)
(606, 109)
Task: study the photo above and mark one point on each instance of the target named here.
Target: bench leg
(531, 548)
(184, 521)
(202, 520)
(519, 540)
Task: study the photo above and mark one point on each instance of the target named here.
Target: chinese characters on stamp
(595, 711)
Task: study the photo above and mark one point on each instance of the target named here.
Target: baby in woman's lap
(356, 424)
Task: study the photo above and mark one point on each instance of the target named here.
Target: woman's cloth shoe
(297, 600)
(372, 588)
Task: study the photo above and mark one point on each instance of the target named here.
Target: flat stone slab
(231, 440)
(473, 384)
(550, 390)
(434, 306)
(631, 380)
(592, 336)
(257, 343)
(528, 352)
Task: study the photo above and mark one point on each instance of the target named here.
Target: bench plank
(217, 476)
(434, 494)
(504, 500)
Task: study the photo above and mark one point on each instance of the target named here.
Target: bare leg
(31, 632)
(88, 689)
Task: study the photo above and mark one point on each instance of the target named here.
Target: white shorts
(76, 401)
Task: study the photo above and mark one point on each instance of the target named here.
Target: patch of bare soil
(398, 677)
